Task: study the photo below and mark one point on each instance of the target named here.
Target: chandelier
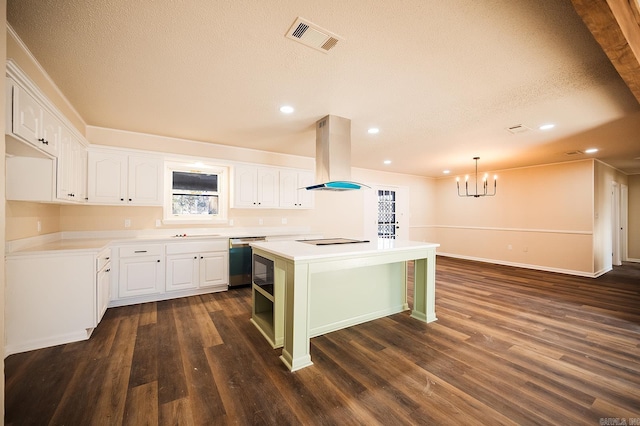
(485, 184)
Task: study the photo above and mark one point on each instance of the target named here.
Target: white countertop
(299, 251)
(96, 241)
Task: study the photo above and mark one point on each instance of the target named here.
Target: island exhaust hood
(333, 155)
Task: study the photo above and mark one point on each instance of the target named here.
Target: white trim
(544, 231)
(632, 259)
(24, 82)
(46, 75)
(526, 265)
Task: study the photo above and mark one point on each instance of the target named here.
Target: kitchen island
(322, 288)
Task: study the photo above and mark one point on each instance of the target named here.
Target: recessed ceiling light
(446, 172)
(286, 109)
(591, 150)
(547, 126)
(387, 161)
(373, 131)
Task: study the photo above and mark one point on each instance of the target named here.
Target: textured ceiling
(441, 79)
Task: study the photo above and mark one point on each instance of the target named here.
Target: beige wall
(634, 218)
(22, 219)
(541, 217)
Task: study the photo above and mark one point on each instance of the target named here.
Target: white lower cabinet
(198, 265)
(141, 270)
(51, 299)
(182, 271)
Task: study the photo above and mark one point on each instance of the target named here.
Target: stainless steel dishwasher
(240, 260)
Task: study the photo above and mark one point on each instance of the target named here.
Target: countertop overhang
(300, 251)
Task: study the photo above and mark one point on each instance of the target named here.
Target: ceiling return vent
(312, 35)
(576, 152)
(518, 128)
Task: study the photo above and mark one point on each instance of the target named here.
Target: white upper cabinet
(292, 192)
(117, 177)
(72, 169)
(48, 156)
(145, 180)
(272, 187)
(32, 123)
(256, 187)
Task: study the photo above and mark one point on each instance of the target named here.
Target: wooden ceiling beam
(615, 24)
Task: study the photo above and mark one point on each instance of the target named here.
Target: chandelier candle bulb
(485, 185)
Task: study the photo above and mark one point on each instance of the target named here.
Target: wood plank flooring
(511, 346)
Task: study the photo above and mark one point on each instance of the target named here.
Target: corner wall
(604, 176)
(3, 55)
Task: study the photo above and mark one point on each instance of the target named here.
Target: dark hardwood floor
(511, 346)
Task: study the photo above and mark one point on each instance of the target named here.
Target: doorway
(619, 219)
(387, 213)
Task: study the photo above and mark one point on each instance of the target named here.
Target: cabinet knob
(41, 140)
(158, 260)
(108, 270)
(195, 257)
(121, 199)
(201, 257)
(130, 199)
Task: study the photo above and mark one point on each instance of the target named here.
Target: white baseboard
(60, 339)
(631, 259)
(526, 265)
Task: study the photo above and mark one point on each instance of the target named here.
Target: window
(196, 193)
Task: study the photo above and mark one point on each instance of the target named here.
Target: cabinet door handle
(121, 199)
(140, 251)
(201, 257)
(108, 270)
(107, 258)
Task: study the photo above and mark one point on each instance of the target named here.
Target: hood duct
(333, 155)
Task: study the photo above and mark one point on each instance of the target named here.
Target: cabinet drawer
(102, 259)
(146, 250)
(198, 247)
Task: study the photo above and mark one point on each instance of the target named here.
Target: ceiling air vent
(312, 35)
(518, 128)
(576, 152)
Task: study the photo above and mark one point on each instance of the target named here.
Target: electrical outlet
(260, 221)
(230, 222)
(158, 223)
(284, 220)
(39, 226)
(127, 223)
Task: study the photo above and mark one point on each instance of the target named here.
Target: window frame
(196, 167)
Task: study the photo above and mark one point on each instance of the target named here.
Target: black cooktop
(332, 241)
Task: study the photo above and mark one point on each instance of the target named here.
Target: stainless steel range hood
(333, 155)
